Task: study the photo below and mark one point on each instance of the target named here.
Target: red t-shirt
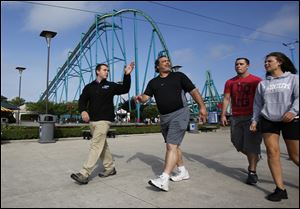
(242, 92)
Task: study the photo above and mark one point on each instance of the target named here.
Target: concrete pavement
(38, 175)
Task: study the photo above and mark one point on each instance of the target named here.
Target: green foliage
(29, 117)
(64, 132)
(137, 129)
(54, 108)
(150, 111)
(16, 132)
(17, 101)
(21, 132)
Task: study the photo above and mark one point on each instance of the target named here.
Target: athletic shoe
(277, 195)
(107, 173)
(181, 175)
(252, 178)
(81, 179)
(161, 183)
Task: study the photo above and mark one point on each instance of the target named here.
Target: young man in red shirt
(240, 90)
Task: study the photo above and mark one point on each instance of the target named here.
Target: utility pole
(291, 46)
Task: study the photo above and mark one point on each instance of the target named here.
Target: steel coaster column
(148, 58)
(80, 64)
(97, 36)
(56, 84)
(125, 58)
(154, 53)
(137, 91)
(107, 59)
(113, 48)
(90, 64)
(67, 75)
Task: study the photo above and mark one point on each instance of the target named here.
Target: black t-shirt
(169, 92)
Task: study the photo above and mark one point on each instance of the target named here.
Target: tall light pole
(48, 35)
(20, 69)
(291, 47)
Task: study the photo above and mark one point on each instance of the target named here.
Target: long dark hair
(286, 64)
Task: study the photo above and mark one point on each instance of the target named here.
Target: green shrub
(16, 132)
(24, 132)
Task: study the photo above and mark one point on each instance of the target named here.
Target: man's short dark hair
(157, 62)
(243, 58)
(99, 66)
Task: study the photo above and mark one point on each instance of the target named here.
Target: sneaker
(277, 195)
(252, 178)
(160, 183)
(78, 177)
(180, 176)
(107, 173)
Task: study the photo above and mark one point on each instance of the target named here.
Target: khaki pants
(98, 148)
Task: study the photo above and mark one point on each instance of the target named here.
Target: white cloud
(58, 19)
(220, 51)
(285, 22)
(183, 56)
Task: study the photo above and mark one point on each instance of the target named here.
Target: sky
(200, 36)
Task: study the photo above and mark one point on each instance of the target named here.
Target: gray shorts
(174, 125)
(242, 138)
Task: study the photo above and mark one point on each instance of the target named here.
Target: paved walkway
(38, 175)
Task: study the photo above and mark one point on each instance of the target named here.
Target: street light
(48, 35)
(291, 47)
(20, 69)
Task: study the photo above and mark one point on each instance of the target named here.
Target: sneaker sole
(104, 176)
(251, 183)
(150, 182)
(185, 178)
(74, 177)
(284, 198)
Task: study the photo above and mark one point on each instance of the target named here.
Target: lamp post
(48, 35)
(20, 69)
(291, 47)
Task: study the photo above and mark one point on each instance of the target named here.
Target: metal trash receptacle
(193, 127)
(213, 118)
(46, 130)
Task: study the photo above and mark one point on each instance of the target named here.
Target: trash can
(193, 127)
(212, 117)
(46, 130)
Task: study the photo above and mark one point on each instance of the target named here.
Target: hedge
(22, 132)
(25, 132)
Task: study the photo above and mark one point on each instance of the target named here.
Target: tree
(70, 108)
(17, 101)
(3, 98)
(150, 111)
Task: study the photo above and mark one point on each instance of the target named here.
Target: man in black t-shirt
(169, 90)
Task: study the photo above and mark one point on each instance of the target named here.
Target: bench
(86, 134)
(206, 128)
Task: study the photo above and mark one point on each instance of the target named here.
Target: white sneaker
(180, 176)
(160, 183)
